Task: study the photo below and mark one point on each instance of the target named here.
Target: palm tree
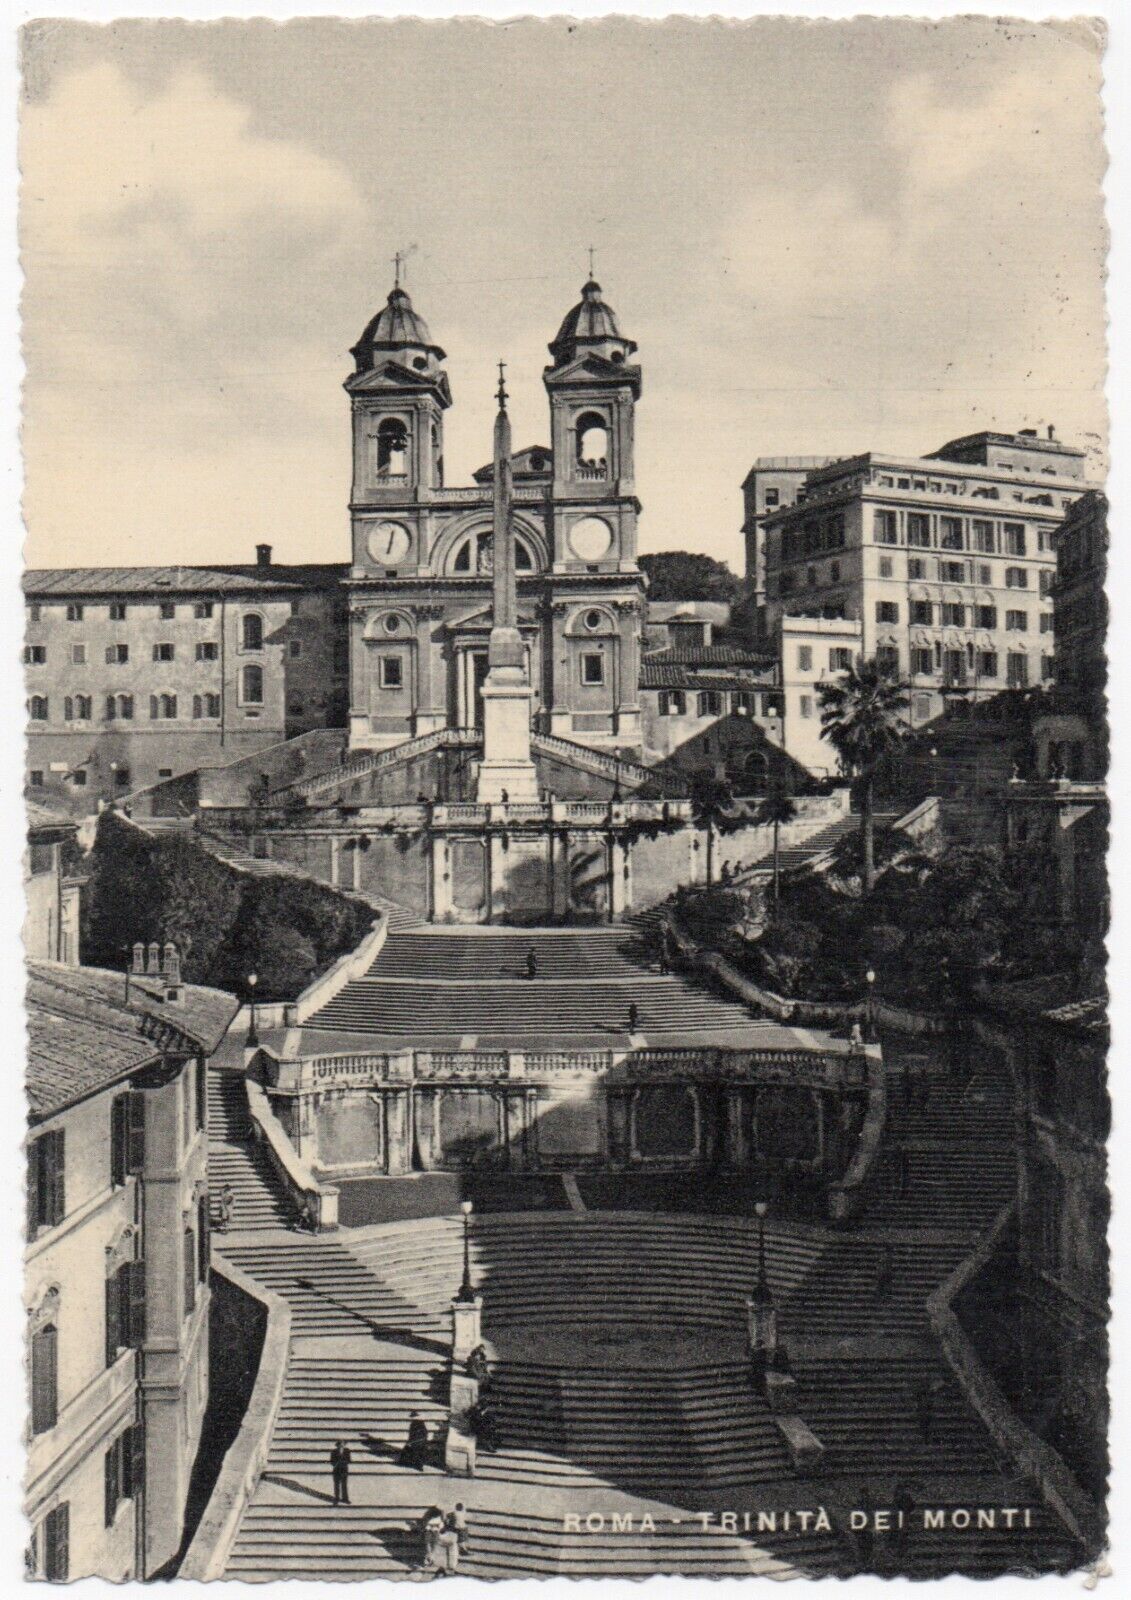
(863, 716)
(711, 802)
(777, 808)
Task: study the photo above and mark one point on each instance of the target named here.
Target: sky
(825, 238)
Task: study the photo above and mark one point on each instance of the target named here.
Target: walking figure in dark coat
(340, 1471)
(633, 1018)
(531, 964)
(415, 1452)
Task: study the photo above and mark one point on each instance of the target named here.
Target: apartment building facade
(135, 674)
(947, 562)
(116, 1264)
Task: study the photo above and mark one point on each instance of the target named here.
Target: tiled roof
(39, 817)
(83, 1034)
(152, 580)
(1081, 1013)
(670, 675)
(711, 655)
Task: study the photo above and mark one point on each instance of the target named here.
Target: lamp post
(252, 1031)
(466, 1289)
(761, 1312)
(869, 1007)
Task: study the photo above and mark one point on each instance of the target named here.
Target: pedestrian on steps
(225, 1207)
(340, 1472)
(459, 1522)
(431, 1527)
(665, 956)
(531, 963)
(633, 1017)
(449, 1544)
(415, 1451)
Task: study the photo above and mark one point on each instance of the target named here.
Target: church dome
(395, 327)
(591, 325)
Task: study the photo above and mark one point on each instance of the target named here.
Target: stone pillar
(497, 897)
(736, 1150)
(467, 1325)
(559, 869)
(335, 860)
(618, 877)
(459, 1446)
(441, 876)
(398, 1130)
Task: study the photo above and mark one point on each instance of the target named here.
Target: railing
(585, 473)
(1037, 1460)
(551, 744)
(331, 982)
(548, 1062)
(246, 1458)
(317, 1202)
(364, 1068)
(374, 760)
(462, 1063)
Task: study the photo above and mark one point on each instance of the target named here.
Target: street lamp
(869, 1009)
(252, 1031)
(761, 1312)
(466, 1289)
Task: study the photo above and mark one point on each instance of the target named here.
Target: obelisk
(506, 771)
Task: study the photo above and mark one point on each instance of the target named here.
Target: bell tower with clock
(398, 395)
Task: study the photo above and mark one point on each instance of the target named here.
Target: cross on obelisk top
(501, 393)
(398, 263)
(590, 262)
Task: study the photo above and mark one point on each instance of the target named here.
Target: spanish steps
(234, 1159)
(427, 984)
(618, 1349)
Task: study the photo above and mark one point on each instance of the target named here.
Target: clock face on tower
(389, 543)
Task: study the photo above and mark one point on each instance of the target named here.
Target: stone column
(618, 866)
(398, 1130)
(467, 1328)
(441, 876)
(497, 897)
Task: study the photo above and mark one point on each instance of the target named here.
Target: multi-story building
(135, 674)
(946, 561)
(772, 484)
(421, 580)
(51, 888)
(116, 1273)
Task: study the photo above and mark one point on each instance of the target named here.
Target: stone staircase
(796, 857)
(452, 984)
(233, 1158)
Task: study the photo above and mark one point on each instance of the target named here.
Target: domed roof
(396, 327)
(591, 322)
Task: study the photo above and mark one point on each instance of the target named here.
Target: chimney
(153, 966)
(171, 972)
(139, 959)
(263, 555)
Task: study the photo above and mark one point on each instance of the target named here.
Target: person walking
(431, 1527)
(531, 963)
(415, 1452)
(633, 1017)
(226, 1207)
(665, 958)
(340, 1472)
(459, 1522)
(449, 1545)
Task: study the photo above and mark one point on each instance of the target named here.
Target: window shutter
(33, 1188)
(119, 1136)
(136, 1114)
(58, 1175)
(110, 1482)
(57, 1541)
(44, 1384)
(113, 1317)
(189, 1264)
(153, 707)
(203, 1238)
(135, 1291)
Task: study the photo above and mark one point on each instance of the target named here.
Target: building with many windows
(421, 579)
(135, 674)
(116, 1268)
(947, 561)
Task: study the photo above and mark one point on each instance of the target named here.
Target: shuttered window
(203, 1237)
(189, 1270)
(46, 1181)
(44, 1378)
(57, 1544)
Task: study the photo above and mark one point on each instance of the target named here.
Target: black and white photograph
(565, 810)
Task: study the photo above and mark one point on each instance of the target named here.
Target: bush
(225, 923)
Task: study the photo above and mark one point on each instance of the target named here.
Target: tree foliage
(688, 575)
(225, 923)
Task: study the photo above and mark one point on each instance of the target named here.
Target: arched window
(253, 631)
(392, 449)
(126, 706)
(592, 442)
(84, 708)
(253, 686)
(37, 708)
(44, 1377)
(482, 546)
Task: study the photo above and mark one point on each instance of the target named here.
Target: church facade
(420, 582)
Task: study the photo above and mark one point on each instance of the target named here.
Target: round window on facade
(593, 620)
(590, 539)
(392, 624)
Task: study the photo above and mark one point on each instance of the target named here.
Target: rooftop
(83, 1034)
(233, 580)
